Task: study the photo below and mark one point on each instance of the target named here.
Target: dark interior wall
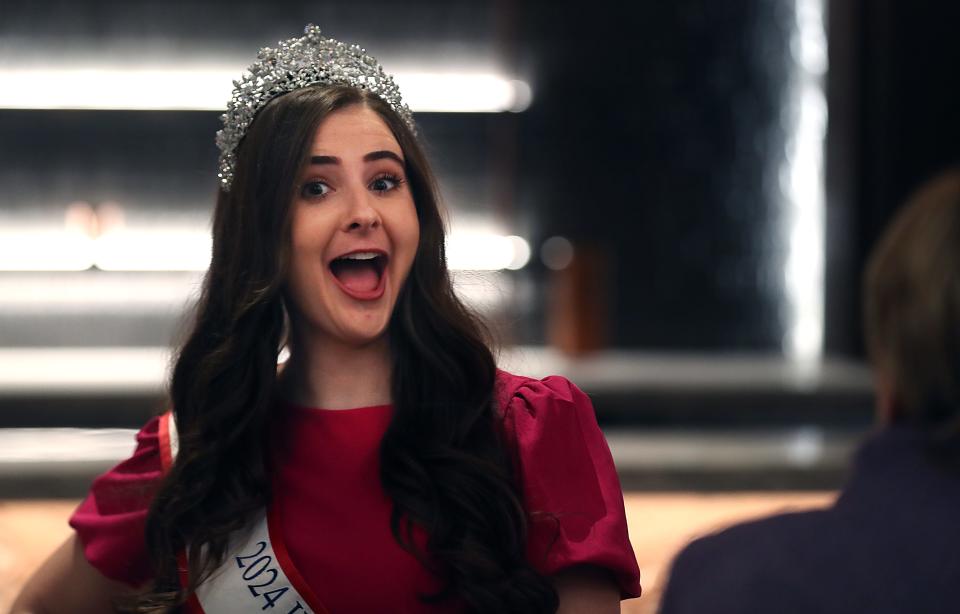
(842, 157)
(164, 29)
(895, 122)
(657, 132)
(911, 102)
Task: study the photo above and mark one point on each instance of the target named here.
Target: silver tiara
(299, 62)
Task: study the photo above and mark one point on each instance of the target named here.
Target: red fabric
(278, 541)
(110, 521)
(336, 517)
(570, 485)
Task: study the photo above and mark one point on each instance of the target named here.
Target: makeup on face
(354, 231)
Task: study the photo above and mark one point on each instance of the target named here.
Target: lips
(361, 274)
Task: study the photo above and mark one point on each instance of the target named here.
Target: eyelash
(397, 181)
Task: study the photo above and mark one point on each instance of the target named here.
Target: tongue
(357, 275)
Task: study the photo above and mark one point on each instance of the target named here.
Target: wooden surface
(29, 531)
(660, 524)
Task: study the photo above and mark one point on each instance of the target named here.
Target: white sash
(257, 574)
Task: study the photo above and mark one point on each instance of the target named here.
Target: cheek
(311, 229)
(301, 233)
(304, 258)
(308, 238)
(414, 237)
(410, 241)
(403, 227)
(411, 228)
(301, 286)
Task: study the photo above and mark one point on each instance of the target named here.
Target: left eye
(384, 184)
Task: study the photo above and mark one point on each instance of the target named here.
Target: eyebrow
(383, 154)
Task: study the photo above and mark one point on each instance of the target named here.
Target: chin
(363, 335)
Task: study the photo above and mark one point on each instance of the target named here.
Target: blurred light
(97, 292)
(521, 253)
(118, 250)
(207, 88)
(77, 369)
(463, 92)
(486, 252)
(187, 249)
(73, 370)
(80, 217)
(153, 250)
(45, 250)
(523, 96)
(556, 253)
(803, 185)
(51, 445)
(484, 291)
(812, 37)
(805, 447)
(146, 89)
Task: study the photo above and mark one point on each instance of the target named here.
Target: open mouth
(360, 274)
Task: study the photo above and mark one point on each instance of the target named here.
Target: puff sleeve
(110, 522)
(569, 482)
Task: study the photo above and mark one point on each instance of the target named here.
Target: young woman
(387, 465)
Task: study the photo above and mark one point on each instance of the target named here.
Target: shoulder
(530, 395)
(129, 485)
(567, 478)
(144, 465)
(746, 565)
(111, 519)
(758, 544)
(549, 418)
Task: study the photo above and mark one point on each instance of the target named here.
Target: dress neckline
(326, 411)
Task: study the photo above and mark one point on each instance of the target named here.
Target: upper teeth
(361, 256)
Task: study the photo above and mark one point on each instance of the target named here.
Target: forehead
(355, 129)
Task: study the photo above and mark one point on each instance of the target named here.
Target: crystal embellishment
(297, 63)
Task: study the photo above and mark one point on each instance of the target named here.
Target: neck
(337, 376)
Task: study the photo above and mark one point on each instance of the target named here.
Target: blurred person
(891, 542)
(387, 465)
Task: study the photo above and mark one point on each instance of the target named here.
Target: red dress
(336, 517)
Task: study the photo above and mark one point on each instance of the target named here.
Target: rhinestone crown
(296, 63)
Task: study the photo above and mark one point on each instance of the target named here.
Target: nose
(361, 215)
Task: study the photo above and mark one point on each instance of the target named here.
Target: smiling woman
(354, 232)
(387, 465)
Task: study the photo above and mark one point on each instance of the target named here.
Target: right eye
(314, 189)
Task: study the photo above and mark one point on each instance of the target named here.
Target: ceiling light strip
(208, 89)
(189, 250)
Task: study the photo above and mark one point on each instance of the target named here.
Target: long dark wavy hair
(444, 464)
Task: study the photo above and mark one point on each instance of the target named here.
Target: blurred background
(670, 203)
